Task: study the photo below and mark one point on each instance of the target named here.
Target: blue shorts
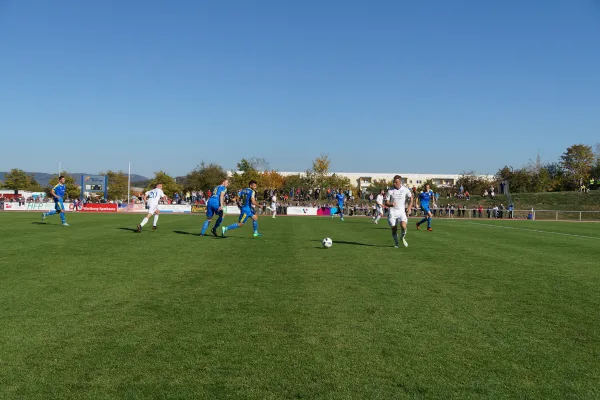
(341, 207)
(425, 209)
(245, 213)
(58, 205)
(212, 209)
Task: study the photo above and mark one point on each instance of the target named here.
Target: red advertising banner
(99, 208)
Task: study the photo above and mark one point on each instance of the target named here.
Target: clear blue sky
(381, 86)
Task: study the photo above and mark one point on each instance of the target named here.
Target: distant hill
(44, 178)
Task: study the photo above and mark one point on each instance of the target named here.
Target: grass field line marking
(535, 230)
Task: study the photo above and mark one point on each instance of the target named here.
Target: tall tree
(117, 185)
(204, 177)
(578, 161)
(168, 182)
(73, 191)
(318, 174)
(17, 179)
(271, 180)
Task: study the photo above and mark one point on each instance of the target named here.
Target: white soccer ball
(327, 243)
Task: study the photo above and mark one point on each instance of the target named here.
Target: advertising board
(302, 211)
(90, 207)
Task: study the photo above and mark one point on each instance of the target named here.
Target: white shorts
(273, 206)
(152, 209)
(379, 209)
(393, 219)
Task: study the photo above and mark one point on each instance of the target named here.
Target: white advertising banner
(232, 210)
(174, 208)
(42, 207)
(302, 211)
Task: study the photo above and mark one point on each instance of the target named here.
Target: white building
(364, 179)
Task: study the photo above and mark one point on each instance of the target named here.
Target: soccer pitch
(475, 309)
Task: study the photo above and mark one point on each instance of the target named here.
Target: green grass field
(474, 310)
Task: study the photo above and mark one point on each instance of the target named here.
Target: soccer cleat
(139, 229)
(65, 224)
(43, 217)
(430, 230)
(418, 227)
(223, 230)
(154, 228)
(213, 231)
(404, 242)
(256, 234)
(395, 246)
(341, 219)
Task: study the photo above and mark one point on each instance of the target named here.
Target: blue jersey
(60, 190)
(340, 198)
(246, 197)
(216, 196)
(425, 198)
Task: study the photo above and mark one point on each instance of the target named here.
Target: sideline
(535, 230)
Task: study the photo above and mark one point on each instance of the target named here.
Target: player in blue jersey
(215, 206)
(58, 193)
(426, 197)
(341, 198)
(247, 202)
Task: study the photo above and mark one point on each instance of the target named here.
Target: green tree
(17, 179)
(295, 181)
(117, 184)
(378, 184)
(247, 170)
(578, 161)
(204, 177)
(168, 182)
(472, 183)
(73, 191)
(557, 176)
(336, 181)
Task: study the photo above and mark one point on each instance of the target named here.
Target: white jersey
(273, 202)
(399, 197)
(154, 197)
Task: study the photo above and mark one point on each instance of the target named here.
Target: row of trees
(204, 177)
(576, 166)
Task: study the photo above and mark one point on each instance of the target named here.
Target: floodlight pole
(129, 184)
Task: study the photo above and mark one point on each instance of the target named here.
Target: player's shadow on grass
(129, 229)
(186, 233)
(354, 243)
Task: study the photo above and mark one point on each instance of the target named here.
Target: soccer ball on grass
(327, 243)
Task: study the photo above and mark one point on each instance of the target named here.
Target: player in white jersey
(378, 207)
(152, 197)
(274, 204)
(396, 199)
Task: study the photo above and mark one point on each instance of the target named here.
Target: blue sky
(380, 86)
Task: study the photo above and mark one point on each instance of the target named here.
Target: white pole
(129, 184)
